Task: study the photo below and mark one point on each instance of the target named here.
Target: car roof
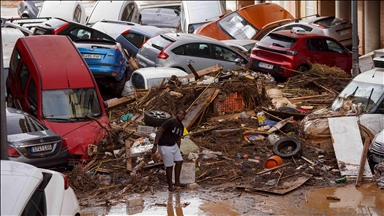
(56, 48)
(291, 34)
(113, 28)
(240, 42)
(18, 182)
(9, 38)
(149, 30)
(192, 37)
(159, 72)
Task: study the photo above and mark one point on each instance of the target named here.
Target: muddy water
(346, 200)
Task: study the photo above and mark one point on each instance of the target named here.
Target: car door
(337, 55)
(317, 51)
(132, 42)
(227, 58)
(198, 55)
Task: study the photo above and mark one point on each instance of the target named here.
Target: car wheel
(120, 85)
(303, 68)
(287, 147)
(155, 118)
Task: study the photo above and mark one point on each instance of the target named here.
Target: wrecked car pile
(243, 131)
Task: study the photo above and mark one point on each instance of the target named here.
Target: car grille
(379, 64)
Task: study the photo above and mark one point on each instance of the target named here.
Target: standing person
(168, 140)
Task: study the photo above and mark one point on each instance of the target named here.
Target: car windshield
(365, 94)
(237, 27)
(279, 40)
(71, 104)
(99, 11)
(17, 124)
(331, 22)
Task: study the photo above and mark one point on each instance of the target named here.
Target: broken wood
(213, 69)
(214, 163)
(278, 180)
(363, 160)
(309, 161)
(309, 97)
(193, 71)
(288, 176)
(120, 102)
(271, 169)
(127, 150)
(201, 131)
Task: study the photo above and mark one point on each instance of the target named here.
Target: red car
(282, 51)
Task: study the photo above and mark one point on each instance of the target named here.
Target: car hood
(78, 135)
(212, 30)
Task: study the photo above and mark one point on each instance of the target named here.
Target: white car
(28, 190)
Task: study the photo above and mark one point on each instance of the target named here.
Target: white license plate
(344, 32)
(41, 148)
(265, 65)
(92, 56)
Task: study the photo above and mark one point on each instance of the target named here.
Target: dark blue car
(107, 61)
(130, 35)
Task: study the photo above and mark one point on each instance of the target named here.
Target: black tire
(155, 118)
(287, 147)
(303, 68)
(120, 86)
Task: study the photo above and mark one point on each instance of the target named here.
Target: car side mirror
(238, 60)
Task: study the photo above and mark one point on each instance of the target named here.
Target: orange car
(250, 22)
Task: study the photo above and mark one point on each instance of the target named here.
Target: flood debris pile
(242, 132)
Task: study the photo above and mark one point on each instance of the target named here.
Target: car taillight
(118, 46)
(317, 25)
(12, 152)
(162, 55)
(66, 182)
(64, 145)
(56, 31)
(292, 52)
(126, 32)
(114, 73)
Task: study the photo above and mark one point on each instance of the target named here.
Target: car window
(279, 40)
(198, 50)
(237, 27)
(315, 44)
(334, 47)
(32, 93)
(149, 10)
(159, 42)
(135, 39)
(138, 81)
(80, 33)
(36, 205)
(24, 74)
(222, 53)
(380, 109)
(15, 61)
(128, 12)
(17, 124)
(330, 22)
(179, 50)
(77, 14)
(290, 27)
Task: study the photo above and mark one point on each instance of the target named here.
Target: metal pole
(355, 41)
(3, 125)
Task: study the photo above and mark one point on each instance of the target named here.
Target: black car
(29, 141)
(76, 31)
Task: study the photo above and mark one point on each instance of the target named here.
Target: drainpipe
(3, 125)
(355, 41)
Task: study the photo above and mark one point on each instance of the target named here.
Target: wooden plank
(194, 71)
(197, 107)
(205, 71)
(348, 145)
(231, 116)
(127, 150)
(359, 179)
(121, 101)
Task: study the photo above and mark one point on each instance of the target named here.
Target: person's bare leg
(177, 172)
(168, 172)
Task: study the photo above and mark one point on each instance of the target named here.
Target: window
(135, 39)
(79, 33)
(17, 124)
(179, 50)
(315, 44)
(128, 12)
(24, 74)
(32, 93)
(138, 81)
(15, 61)
(279, 40)
(197, 50)
(222, 53)
(36, 205)
(334, 47)
(77, 14)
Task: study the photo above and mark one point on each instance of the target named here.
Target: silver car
(29, 9)
(178, 50)
(29, 141)
(337, 28)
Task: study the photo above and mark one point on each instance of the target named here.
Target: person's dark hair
(181, 110)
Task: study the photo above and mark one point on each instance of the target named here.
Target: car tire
(303, 68)
(155, 118)
(120, 85)
(287, 147)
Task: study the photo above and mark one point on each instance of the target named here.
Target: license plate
(344, 32)
(265, 65)
(92, 56)
(41, 148)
